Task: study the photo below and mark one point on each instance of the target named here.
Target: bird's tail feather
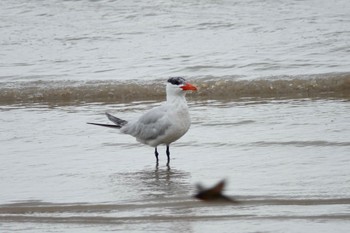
(117, 121)
(105, 125)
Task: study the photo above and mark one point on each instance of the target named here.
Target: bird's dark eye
(176, 80)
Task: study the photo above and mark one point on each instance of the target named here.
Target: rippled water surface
(286, 162)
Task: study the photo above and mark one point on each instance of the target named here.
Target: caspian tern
(163, 124)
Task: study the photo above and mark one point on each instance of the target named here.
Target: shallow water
(285, 161)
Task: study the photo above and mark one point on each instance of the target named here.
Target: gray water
(94, 40)
(271, 116)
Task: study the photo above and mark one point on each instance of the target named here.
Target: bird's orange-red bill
(189, 87)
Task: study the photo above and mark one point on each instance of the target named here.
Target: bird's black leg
(168, 154)
(156, 154)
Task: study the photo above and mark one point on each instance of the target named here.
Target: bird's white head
(177, 86)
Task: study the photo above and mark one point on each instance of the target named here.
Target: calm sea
(271, 117)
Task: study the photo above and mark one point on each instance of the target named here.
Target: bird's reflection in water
(158, 183)
(156, 189)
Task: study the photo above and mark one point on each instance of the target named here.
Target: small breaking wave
(108, 213)
(210, 88)
(303, 144)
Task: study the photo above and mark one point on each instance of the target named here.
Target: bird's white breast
(180, 123)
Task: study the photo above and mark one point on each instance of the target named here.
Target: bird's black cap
(176, 80)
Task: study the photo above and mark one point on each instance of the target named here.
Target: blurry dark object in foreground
(213, 194)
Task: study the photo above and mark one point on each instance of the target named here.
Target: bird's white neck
(174, 95)
(176, 98)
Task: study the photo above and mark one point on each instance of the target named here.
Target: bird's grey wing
(151, 125)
